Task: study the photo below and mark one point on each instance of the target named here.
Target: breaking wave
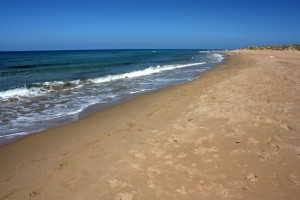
(38, 89)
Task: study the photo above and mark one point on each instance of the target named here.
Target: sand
(233, 133)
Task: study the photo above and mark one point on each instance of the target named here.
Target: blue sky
(112, 24)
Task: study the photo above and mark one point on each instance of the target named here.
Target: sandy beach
(233, 133)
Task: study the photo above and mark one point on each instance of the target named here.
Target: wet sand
(233, 133)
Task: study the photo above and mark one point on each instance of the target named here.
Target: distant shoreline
(41, 88)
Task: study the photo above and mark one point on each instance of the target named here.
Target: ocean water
(40, 90)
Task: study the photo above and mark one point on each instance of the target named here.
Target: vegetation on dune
(295, 47)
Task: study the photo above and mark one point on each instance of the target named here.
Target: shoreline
(100, 107)
(224, 134)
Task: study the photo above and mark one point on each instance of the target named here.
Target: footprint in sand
(136, 166)
(297, 150)
(151, 181)
(64, 155)
(131, 164)
(70, 184)
(285, 127)
(205, 140)
(274, 147)
(239, 184)
(182, 155)
(131, 124)
(252, 178)
(181, 190)
(140, 155)
(116, 183)
(192, 172)
(151, 172)
(252, 141)
(7, 195)
(62, 166)
(58, 168)
(263, 156)
(125, 196)
(177, 127)
(158, 152)
(32, 194)
(222, 192)
(294, 178)
(206, 188)
(204, 151)
(176, 139)
(5, 180)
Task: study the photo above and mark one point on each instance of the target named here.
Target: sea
(44, 89)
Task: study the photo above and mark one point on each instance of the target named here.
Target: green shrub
(277, 48)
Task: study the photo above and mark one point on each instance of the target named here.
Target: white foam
(20, 92)
(61, 83)
(54, 83)
(37, 91)
(13, 135)
(70, 113)
(217, 57)
(145, 72)
(138, 91)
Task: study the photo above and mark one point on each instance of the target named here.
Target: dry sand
(234, 133)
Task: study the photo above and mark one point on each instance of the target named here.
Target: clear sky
(112, 24)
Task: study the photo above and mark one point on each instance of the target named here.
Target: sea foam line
(145, 72)
(42, 88)
(15, 94)
(218, 57)
(14, 134)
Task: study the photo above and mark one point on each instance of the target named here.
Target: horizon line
(115, 49)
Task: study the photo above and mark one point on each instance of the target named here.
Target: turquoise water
(39, 90)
